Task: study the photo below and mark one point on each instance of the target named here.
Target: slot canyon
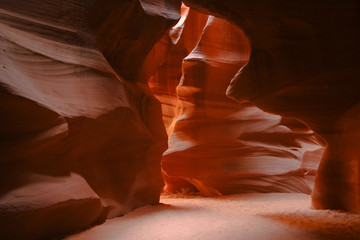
(163, 119)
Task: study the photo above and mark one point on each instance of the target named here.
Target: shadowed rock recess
(102, 101)
(304, 63)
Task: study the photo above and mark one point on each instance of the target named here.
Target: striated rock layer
(216, 145)
(82, 136)
(80, 141)
(304, 64)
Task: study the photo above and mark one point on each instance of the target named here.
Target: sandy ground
(248, 216)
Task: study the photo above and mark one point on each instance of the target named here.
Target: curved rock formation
(69, 104)
(166, 74)
(217, 145)
(304, 64)
(48, 205)
(82, 135)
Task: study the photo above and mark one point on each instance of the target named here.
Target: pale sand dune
(247, 216)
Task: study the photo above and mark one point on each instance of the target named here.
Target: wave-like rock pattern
(82, 136)
(216, 145)
(304, 64)
(80, 140)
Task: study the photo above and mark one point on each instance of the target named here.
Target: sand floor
(249, 216)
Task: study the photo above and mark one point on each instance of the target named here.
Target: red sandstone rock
(68, 103)
(304, 64)
(216, 144)
(44, 205)
(81, 133)
(164, 78)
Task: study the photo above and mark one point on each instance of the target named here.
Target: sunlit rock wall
(82, 136)
(216, 145)
(304, 63)
(80, 141)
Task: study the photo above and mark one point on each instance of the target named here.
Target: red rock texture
(304, 64)
(69, 104)
(82, 135)
(216, 145)
(46, 205)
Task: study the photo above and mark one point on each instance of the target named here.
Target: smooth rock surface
(69, 104)
(218, 146)
(82, 134)
(304, 64)
(47, 205)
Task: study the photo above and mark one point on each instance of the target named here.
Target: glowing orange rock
(165, 76)
(216, 144)
(304, 64)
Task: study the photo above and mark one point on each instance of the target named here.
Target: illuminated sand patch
(248, 216)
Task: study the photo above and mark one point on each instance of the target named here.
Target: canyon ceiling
(107, 103)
